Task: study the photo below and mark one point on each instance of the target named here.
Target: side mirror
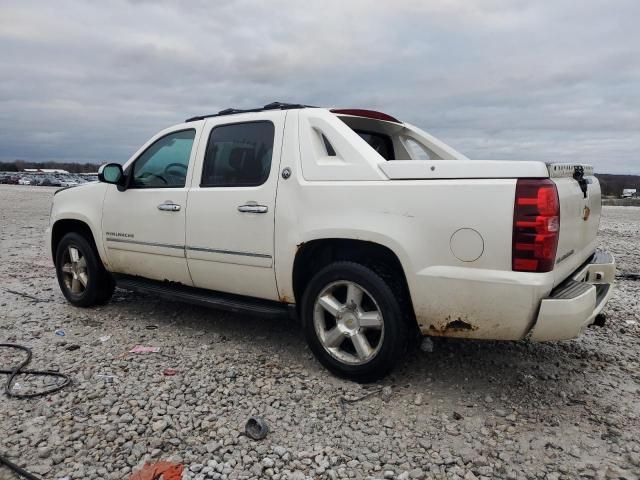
(111, 173)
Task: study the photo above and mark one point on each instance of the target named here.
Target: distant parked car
(68, 183)
(24, 181)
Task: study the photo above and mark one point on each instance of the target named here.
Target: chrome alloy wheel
(348, 322)
(74, 271)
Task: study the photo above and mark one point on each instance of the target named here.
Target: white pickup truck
(368, 229)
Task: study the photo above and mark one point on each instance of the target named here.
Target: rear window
(380, 142)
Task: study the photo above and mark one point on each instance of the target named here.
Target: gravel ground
(469, 409)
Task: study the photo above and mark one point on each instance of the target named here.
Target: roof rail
(231, 111)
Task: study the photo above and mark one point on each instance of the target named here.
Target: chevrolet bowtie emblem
(585, 213)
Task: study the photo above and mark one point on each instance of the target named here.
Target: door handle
(169, 207)
(253, 208)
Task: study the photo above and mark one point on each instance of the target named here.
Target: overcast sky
(553, 80)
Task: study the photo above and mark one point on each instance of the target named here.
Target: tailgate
(580, 208)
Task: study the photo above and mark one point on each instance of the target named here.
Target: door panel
(142, 240)
(230, 211)
(144, 225)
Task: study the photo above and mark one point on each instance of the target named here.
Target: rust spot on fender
(286, 299)
(454, 328)
(460, 325)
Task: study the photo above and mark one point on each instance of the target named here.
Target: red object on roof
(359, 112)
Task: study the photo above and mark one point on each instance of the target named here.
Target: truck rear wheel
(82, 277)
(353, 322)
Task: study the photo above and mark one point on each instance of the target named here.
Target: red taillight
(536, 226)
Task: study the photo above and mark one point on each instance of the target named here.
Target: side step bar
(206, 298)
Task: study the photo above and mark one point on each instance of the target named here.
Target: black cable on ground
(19, 370)
(13, 374)
(20, 471)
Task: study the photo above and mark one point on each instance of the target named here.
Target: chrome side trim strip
(229, 252)
(195, 249)
(150, 244)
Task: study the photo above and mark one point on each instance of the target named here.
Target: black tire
(99, 283)
(108, 286)
(393, 342)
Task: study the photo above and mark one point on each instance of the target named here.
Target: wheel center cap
(350, 322)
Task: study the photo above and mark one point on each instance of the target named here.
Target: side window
(417, 150)
(238, 155)
(380, 142)
(165, 163)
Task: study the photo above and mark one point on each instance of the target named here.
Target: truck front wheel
(81, 275)
(353, 321)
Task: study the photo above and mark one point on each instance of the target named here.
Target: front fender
(84, 204)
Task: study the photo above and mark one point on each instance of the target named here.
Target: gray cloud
(91, 81)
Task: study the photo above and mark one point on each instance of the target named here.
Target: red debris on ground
(144, 349)
(169, 372)
(153, 471)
